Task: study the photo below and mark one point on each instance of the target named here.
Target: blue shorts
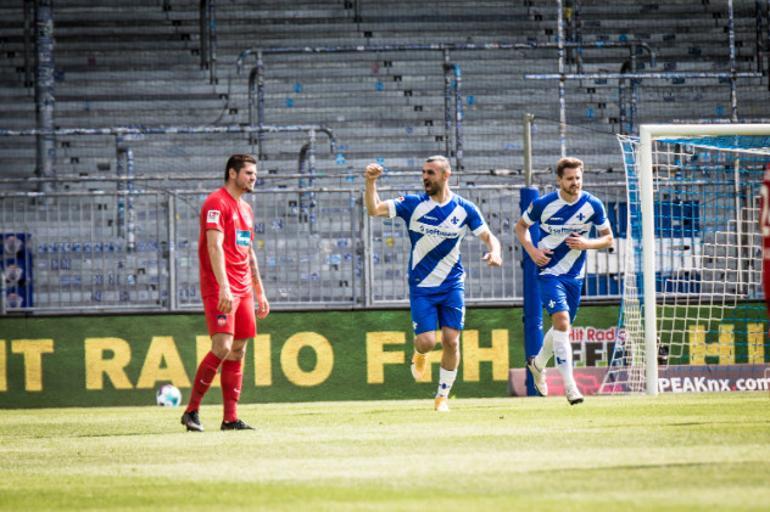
(560, 293)
(444, 309)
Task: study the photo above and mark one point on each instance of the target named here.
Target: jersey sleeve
(532, 214)
(600, 215)
(401, 207)
(214, 215)
(475, 219)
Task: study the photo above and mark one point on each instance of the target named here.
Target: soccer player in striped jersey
(565, 218)
(437, 221)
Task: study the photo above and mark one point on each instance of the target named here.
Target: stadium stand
(141, 65)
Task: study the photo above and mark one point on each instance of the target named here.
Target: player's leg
(562, 349)
(561, 343)
(451, 317)
(424, 322)
(558, 293)
(537, 364)
(221, 327)
(546, 351)
(232, 366)
(207, 370)
(553, 298)
(450, 360)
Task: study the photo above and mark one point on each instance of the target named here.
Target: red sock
(207, 370)
(232, 379)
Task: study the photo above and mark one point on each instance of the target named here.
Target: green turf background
(63, 371)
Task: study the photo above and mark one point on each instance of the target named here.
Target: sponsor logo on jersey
(242, 237)
(430, 230)
(212, 217)
(564, 229)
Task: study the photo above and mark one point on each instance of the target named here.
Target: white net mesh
(708, 251)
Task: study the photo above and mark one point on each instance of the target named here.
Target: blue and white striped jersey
(436, 231)
(558, 219)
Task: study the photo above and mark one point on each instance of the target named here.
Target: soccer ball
(168, 396)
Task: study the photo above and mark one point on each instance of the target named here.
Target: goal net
(692, 287)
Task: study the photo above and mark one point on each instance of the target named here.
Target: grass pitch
(684, 452)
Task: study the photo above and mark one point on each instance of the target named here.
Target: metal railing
(453, 100)
(125, 139)
(634, 77)
(72, 251)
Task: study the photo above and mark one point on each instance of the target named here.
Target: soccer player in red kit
(764, 227)
(230, 282)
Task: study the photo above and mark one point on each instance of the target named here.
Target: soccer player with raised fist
(436, 220)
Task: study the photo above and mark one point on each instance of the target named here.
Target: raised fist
(373, 171)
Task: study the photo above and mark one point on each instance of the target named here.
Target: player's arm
(494, 257)
(539, 256)
(263, 306)
(604, 240)
(374, 205)
(214, 241)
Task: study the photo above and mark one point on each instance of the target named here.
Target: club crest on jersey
(212, 217)
(242, 237)
(400, 199)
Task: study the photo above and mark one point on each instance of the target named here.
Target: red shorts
(241, 322)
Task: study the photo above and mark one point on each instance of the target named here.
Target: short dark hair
(567, 163)
(238, 162)
(442, 161)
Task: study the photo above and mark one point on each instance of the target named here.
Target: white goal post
(647, 161)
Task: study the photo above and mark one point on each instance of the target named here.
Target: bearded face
(571, 181)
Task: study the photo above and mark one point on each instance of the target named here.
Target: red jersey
(223, 213)
(764, 227)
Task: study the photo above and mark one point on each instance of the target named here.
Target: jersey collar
(573, 202)
(441, 205)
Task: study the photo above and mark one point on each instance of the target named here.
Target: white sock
(562, 349)
(546, 351)
(445, 380)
